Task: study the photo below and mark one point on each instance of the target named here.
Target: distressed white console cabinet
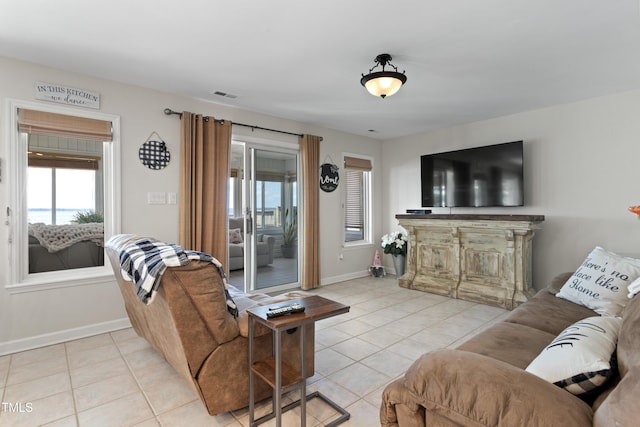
(480, 258)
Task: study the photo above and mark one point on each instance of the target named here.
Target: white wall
(582, 172)
(41, 317)
(355, 260)
(581, 163)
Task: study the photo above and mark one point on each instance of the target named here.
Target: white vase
(399, 264)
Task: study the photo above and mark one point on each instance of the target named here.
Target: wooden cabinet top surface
(474, 217)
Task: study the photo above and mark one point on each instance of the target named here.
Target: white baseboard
(62, 336)
(343, 277)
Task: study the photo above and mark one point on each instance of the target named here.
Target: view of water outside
(75, 191)
(63, 216)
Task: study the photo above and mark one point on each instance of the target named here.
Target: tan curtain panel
(43, 123)
(204, 170)
(310, 164)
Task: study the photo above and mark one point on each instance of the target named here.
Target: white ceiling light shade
(383, 83)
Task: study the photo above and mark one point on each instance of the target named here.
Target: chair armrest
(475, 390)
(266, 238)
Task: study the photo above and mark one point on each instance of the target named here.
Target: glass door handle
(249, 223)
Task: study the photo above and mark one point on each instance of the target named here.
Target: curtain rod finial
(169, 111)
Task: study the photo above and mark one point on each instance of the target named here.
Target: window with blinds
(357, 195)
(64, 168)
(353, 207)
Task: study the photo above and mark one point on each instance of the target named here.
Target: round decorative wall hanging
(154, 154)
(329, 177)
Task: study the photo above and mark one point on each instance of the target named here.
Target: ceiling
(465, 60)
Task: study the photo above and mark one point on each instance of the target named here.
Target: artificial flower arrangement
(395, 243)
(635, 210)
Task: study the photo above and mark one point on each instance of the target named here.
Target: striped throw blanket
(143, 262)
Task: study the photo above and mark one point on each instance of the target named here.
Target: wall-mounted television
(475, 177)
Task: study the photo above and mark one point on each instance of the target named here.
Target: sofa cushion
(579, 359)
(512, 343)
(547, 313)
(601, 282)
(236, 250)
(472, 390)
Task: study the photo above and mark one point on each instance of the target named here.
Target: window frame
(367, 196)
(19, 278)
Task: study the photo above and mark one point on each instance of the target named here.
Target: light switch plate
(172, 198)
(156, 198)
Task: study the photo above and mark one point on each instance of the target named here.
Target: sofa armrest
(400, 408)
(475, 390)
(619, 408)
(558, 281)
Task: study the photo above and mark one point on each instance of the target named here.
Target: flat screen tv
(475, 177)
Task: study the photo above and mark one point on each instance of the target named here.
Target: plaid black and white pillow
(580, 358)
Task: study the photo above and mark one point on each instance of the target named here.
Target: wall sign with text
(67, 95)
(329, 177)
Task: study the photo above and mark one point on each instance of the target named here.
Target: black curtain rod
(169, 112)
(267, 129)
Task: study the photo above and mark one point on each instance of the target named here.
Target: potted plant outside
(289, 236)
(86, 217)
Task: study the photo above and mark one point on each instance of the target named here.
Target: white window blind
(355, 198)
(44, 123)
(353, 212)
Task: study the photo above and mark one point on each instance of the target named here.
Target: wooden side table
(281, 376)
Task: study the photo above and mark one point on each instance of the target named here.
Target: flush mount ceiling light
(383, 83)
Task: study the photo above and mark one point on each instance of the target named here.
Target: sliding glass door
(263, 204)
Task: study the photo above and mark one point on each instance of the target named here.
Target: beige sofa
(483, 382)
(189, 325)
(264, 248)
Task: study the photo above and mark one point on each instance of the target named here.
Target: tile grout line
(383, 298)
(135, 378)
(73, 394)
(4, 385)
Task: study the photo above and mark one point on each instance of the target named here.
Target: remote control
(284, 310)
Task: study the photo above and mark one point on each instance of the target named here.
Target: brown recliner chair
(188, 323)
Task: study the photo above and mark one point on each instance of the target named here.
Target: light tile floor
(117, 379)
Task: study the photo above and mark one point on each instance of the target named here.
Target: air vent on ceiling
(224, 94)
